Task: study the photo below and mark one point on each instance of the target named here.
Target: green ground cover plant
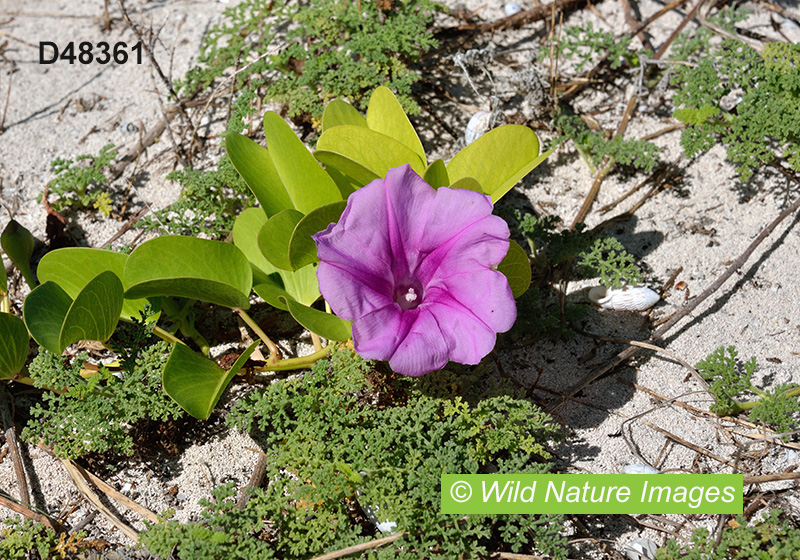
(345, 439)
(81, 183)
(730, 381)
(773, 538)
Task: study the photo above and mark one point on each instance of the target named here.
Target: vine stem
(167, 336)
(297, 363)
(274, 353)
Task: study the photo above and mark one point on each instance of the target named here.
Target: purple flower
(411, 267)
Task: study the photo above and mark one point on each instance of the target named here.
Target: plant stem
(297, 363)
(274, 354)
(164, 335)
(317, 342)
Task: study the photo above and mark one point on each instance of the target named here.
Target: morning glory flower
(411, 267)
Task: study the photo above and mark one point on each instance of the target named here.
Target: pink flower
(411, 267)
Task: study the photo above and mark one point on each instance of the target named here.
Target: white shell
(624, 299)
(640, 549)
(512, 8)
(477, 126)
(372, 513)
(636, 468)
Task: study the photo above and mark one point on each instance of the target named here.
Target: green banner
(591, 493)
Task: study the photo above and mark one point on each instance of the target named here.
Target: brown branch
(537, 13)
(690, 445)
(13, 446)
(359, 547)
(31, 514)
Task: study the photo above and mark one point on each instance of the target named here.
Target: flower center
(408, 296)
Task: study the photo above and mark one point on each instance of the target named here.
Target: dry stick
(537, 13)
(690, 445)
(668, 8)
(255, 481)
(634, 24)
(359, 547)
(689, 17)
(771, 478)
(80, 477)
(605, 169)
(13, 446)
(31, 514)
(659, 333)
(153, 61)
(5, 106)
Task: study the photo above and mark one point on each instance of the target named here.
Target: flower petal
(351, 292)
(485, 293)
(468, 338)
(423, 349)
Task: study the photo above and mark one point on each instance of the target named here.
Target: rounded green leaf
(301, 285)
(13, 345)
(255, 165)
(188, 267)
(498, 159)
(339, 112)
(467, 183)
(373, 150)
(95, 312)
(18, 243)
(436, 174)
(55, 321)
(324, 324)
(386, 115)
(274, 236)
(348, 174)
(302, 249)
(73, 267)
(194, 382)
(245, 237)
(517, 268)
(306, 182)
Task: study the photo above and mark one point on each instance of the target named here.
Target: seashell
(625, 298)
(512, 8)
(373, 512)
(636, 468)
(477, 126)
(640, 549)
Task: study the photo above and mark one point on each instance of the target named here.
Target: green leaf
(274, 236)
(18, 243)
(273, 293)
(210, 271)
(73, 267)
(300, 285)
(194, 382)
(373, 150)
(324, 324)
(339, 112)
(436, 174)
(498, 159)
(243, 357)
(467, 183)
(517, 268)
(348, 174)
(255, 165)
(13, 345)
(302, 249)
(386, 115)
(308, 185)
(245, 237)
(55, 321)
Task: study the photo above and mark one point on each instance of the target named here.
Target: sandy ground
(63, 110)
